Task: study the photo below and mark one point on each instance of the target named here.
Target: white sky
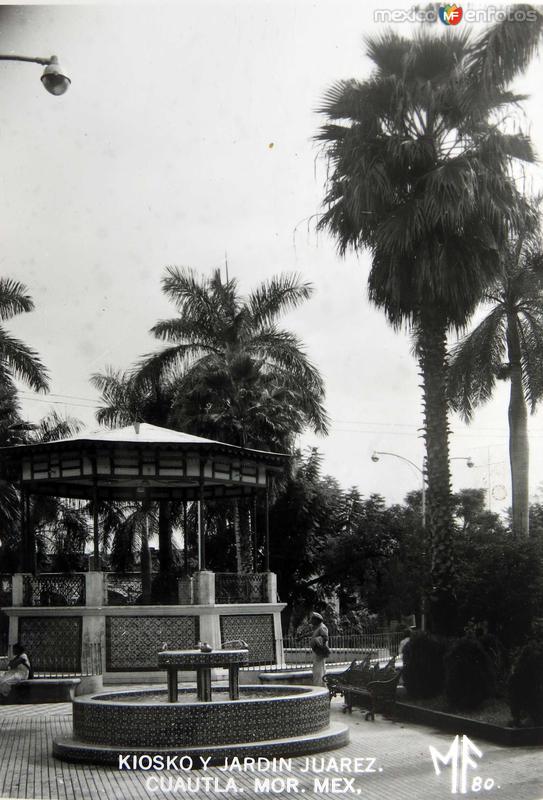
(159, 154)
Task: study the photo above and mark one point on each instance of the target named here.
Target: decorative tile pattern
(256, 630)
(52, 643)
(132, 643)
(286, 712)
(54, 590)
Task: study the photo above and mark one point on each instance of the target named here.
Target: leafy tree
(419, 174)
(500, 580)
(302, 520)
(508, 345)
(471, 515)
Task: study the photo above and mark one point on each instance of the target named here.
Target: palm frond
(22, 362)
(56, 426)
(154, 366)
(504, 51)
(474, 363)
(14, 299)
(276, 296)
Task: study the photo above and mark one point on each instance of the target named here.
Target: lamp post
(421, 470)
(53, 77)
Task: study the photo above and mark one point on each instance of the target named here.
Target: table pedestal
(203, 684)
(233, 682)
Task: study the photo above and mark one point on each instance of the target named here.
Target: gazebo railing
(52, 589)
(6, 584)
(233, 588)
(124, 589)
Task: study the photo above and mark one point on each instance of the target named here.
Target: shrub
(499, 657)
(470, 675)
(526, 685)
(423, 670)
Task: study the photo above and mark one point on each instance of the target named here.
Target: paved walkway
(403, 767)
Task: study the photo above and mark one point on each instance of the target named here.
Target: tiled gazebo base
(334, 736)
(268, 721)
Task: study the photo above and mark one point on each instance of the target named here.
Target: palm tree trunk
(165, 549)
(519, 455)
(432, 346)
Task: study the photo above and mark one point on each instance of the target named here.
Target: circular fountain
(265, 721)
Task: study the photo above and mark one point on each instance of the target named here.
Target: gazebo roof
(117, 463)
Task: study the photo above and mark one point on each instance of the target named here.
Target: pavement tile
(403, 767)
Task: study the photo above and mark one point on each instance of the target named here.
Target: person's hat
(315, 615)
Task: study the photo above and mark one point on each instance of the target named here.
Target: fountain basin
(265, 721)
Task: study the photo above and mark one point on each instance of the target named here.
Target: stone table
(203, 663)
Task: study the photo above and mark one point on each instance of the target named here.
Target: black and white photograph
(271, 400)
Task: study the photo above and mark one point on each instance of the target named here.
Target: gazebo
(139, 462)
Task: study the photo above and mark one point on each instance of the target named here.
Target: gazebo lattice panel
(132, 643)
(54, 590)
(232, 588)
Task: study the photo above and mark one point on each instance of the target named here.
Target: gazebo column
(32, 563)
(201, 523)
(28, 539)
(255, 536)
(267, 531)
(23, 544)
(185, 538)
(96, 566)
(146, 565)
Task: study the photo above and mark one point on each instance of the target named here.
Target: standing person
(319, 646)
(19, 669)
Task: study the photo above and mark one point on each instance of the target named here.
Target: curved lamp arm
(53, 78)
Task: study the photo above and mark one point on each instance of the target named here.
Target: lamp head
(374, 457)
(470, 462)
(54, 79)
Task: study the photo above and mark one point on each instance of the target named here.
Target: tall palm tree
(17, 360)
(419, 175)
(507, 344)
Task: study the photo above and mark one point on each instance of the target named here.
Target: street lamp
(53, 78)
(375, 457)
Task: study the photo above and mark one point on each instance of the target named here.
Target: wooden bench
(42, 690)
(362, 682)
